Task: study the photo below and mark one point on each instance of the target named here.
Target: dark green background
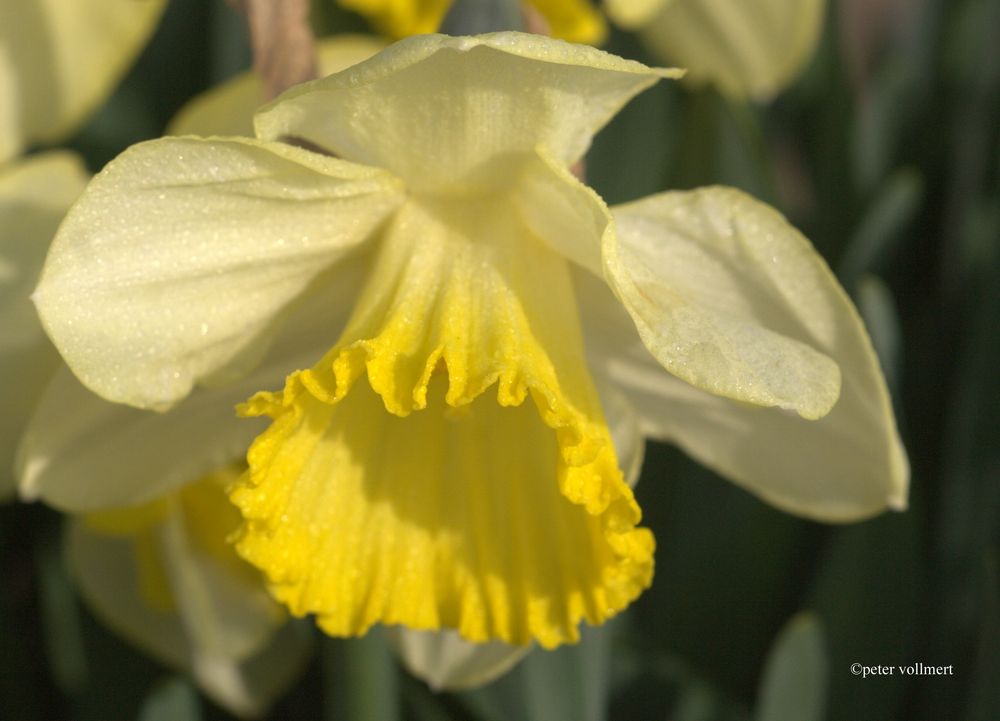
(897, 182)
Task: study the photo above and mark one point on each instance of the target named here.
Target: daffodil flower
(447, 462)
(747, 48)
(574, 20)
(157, 570)
(59, 59)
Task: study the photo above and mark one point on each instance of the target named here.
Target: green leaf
(882, 228)
(878, 308)
(172, 700)
(422, 703)
(629, 156)
(60, 618)
(568, 684)
(868, 594)
(361, 679)
(725, 570)
(985, 691)
(794, 684)
(698, 702)
(470, 17)
(578, 674)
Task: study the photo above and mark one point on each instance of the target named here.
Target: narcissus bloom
(747, 48)
(574, 20)
(59, 59)
(448, 461)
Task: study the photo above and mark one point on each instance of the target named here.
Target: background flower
(746, 48)
(575, 20)
(34, 196)
(60, 59)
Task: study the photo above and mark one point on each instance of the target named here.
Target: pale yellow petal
(633, 14)
(249, 687)
(401, 18)
(848, 465)
(447, 662)
(625, 425)
(456, 114)
(748, 48)
(35, 194)
(24, 375)
(222, 601)
(227, 110)
(11, 136)
(729, 297)
(107, 573)
(126, 521)
(165, 577)
(182, 566)
(59, 59)
(431, 515)
(561, 211)
(81, 453)
(577, 21)
(182, 253)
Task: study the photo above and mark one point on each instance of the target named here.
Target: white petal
(175, 264)
(847, 465)
(82, 453)
(452, 114)
(730, 298)
(447, 662)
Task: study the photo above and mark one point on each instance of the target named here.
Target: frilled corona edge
(417, 498)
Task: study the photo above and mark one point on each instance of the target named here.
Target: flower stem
(470, 17)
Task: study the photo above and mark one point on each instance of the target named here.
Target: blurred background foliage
(886, 153)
